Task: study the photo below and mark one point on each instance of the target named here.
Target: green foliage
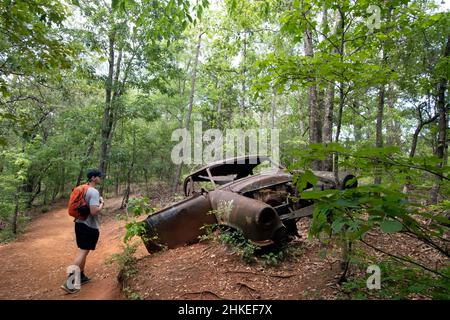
(343, 211)
(240, 244)
(125, 260)
(31, 42)
(209, 232)
(252, 74)
(273, 259)
(250, 252)
(135, 209)
(399, 281)
(346, 215)
(130, 294)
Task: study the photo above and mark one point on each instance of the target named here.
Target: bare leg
(80, 259)
(83, 263)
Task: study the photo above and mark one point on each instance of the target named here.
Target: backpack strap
(85, 189)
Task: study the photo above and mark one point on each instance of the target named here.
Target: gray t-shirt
(92, 198)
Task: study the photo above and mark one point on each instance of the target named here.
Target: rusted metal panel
(257, 205)
(179, 224)
(258, 221)
(257, 182)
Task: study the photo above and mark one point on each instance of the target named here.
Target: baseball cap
(94, 173)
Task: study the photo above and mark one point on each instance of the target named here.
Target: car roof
(240, 166)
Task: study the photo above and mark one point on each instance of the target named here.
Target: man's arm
(96, 209)
(96, 203)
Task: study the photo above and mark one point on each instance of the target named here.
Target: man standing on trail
(86, 231)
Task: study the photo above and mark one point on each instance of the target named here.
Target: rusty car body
(263, 206)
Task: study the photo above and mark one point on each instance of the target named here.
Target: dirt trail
(34, 266)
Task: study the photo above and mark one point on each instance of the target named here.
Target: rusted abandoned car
(238, 193)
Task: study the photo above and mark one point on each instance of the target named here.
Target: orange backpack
(78, 208)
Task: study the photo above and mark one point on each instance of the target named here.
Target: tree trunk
(191, 102)
(117, 184)
(244, 74)
(147, 190)
(412, 152)
(327, 131)
(393, 127)
(313, 108)
(327, 136)
(219, 114)
(379, 130)
(340, 29)
(312, 94)
(62, 179)
(54, 193)
(338, 129)
(273, 109)
(381, 102)
(34, 194)
(441, 149)
(85, 161)
(107, 112)
(129, 174)
(16, 212)
(45, 196)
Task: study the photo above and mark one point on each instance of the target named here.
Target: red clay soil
(212, 271)
(34, 266)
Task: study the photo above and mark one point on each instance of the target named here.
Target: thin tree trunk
(273, 108)
(45, 196)
(85, 161)
(380, 108)
(219, 114)
(327, 136)
(393, 129)
(313, 108)
(301, 124)
(441, 149)
(357, 127)
(312, 94)
(107, 112)
(191, 102)
(338, 129)
(54, 193)
(244, 74)
(62, 179)
(412, 151)
(16, 212)
(117, 186)
(129, 174)
(379, 128)
(340, 29)
(34, 194)
(147, 190)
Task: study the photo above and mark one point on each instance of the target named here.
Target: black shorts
(87, 237)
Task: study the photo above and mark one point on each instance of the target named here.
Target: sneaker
(84, 279)
(68, 289)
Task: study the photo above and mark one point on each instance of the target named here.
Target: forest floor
(210, 270)
(34, 266)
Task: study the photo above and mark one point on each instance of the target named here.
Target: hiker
(86, 229)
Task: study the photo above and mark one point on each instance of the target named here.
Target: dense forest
(359, 86)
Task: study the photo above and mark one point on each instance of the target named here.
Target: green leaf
(391, 226)
(305, 178)
(115, 4)
(318, 194)
(337, 226)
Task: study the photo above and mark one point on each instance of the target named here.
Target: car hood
(257, 182)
